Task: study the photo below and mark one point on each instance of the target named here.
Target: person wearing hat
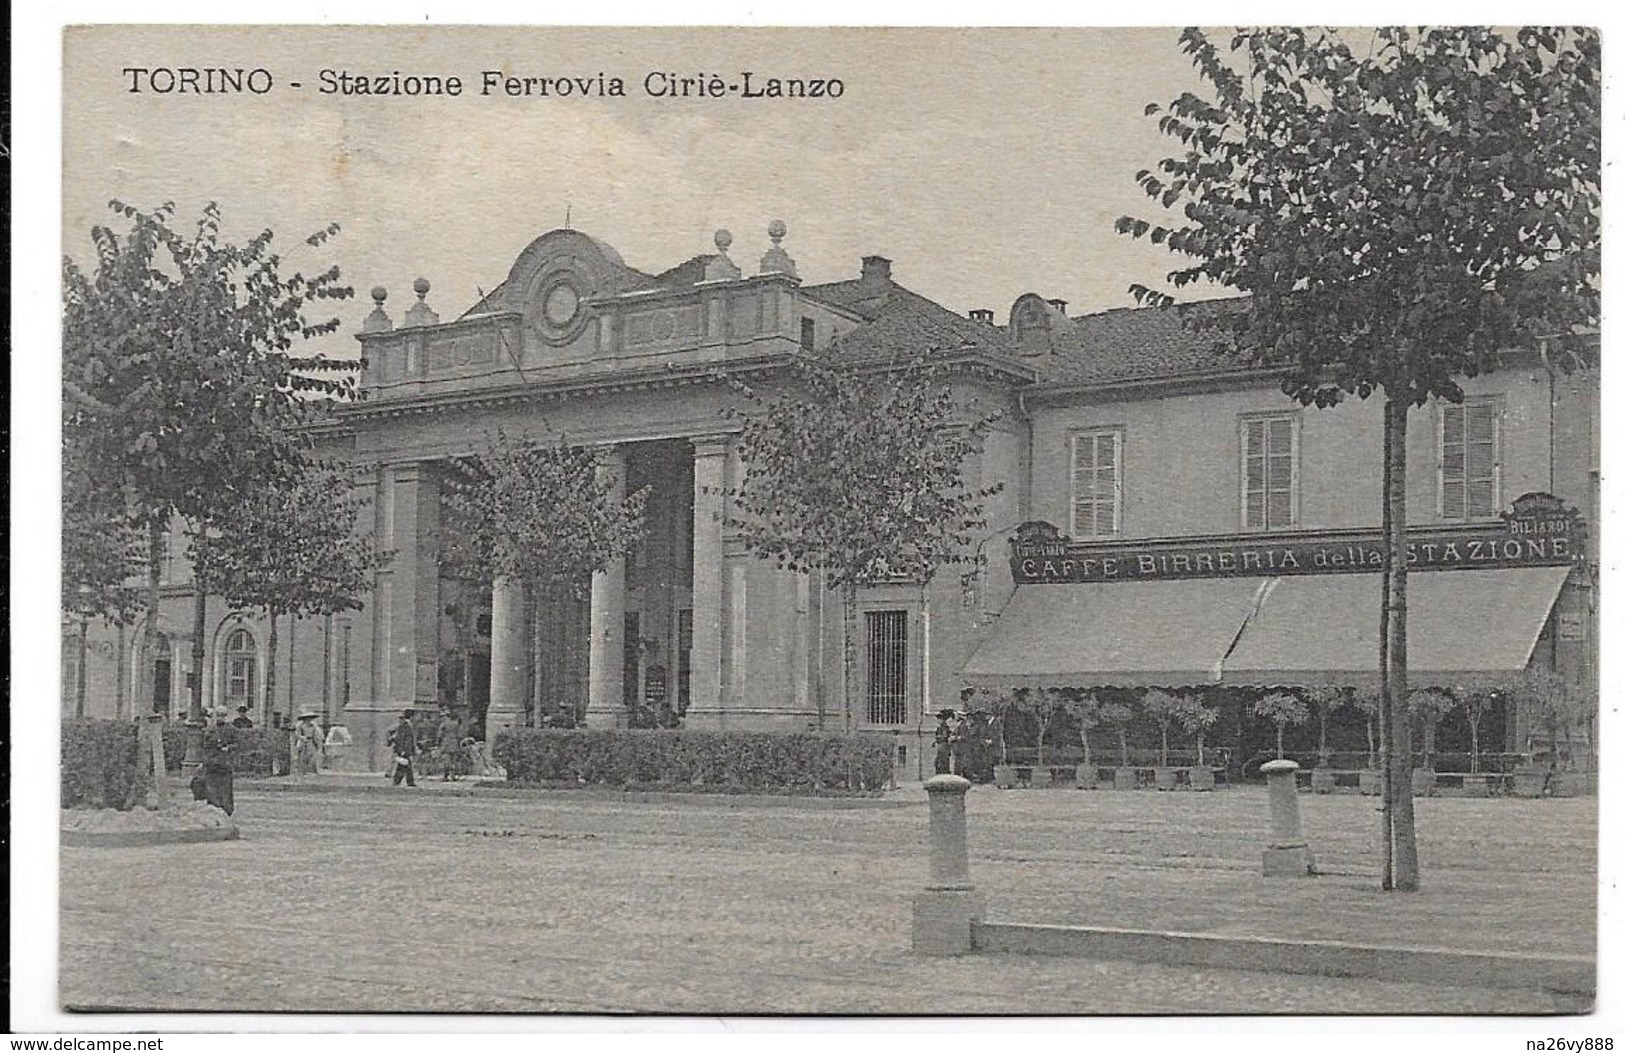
(243, 719)
(404, 741)
(307, 739)
(219, 747)
(944, 741)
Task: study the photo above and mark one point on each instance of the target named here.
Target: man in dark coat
(243, 719)
(404, 741)
(219, 745)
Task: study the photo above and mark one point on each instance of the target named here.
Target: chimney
(876, 274)
(982, 314)
(1059, 305)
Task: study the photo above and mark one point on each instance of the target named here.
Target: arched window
(241, 670)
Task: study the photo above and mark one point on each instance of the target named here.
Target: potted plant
(1086, 711)
(1045, 704)
(1368, 702)
(1429, 705)
(1162, 707)
(1325, 698)
(1283, 710)
(1196, 718)
(1004, 773)
(1118, 716)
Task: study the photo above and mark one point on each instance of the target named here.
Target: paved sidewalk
(576, 902)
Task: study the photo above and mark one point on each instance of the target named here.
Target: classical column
(408, 598)
(705, 651)
(509, 657)
(607, 650)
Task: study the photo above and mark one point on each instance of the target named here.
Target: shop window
(888, 667)
(1269, 472)
(1097, 483)
(1469, 460)
(242, 669)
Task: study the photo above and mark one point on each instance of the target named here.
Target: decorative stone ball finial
(379, 295)
(775, 260)
(421, 287)
(420, 313)
(723, 239)
(777, 230)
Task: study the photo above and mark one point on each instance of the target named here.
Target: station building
(1165, 517)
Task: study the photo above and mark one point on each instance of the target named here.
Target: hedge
(257, 749)
(726, 761)
(101, 764)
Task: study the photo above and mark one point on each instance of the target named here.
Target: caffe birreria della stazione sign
(1539, 531)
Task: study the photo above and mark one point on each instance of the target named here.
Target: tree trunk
(1370, 744)
(1122, 744)
(1280, 741)
(849, 652)
(1086, 757)
(1406, 866)
(1385, 713)
(1472, 728)
(81, 649)
(1163, 757)
(538, 674)
(192, 758)
(1325, 754)
(1201, 757)
(149, 631)
(270, 666)
(1430, 740)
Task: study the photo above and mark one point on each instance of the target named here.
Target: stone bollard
(949, 908)
(1288, 853)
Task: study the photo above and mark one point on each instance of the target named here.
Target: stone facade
(633, 364)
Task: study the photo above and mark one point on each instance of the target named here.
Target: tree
(1368, 703)
(1196, 718)
(1085, 708)
(1163, 708)
(179, 388)
(1118, 716)
(1397, 213)
(101, 555)
(1477, 696)
(856, 473)
(1553, 704)
(1047, 705)
(1430, 704)
(1325, 699)
(287, 547)
(1283, 710)
(541, 512)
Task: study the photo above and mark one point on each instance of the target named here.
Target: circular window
(561, 304)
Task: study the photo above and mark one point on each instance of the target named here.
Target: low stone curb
(894, 799)
(1570, 974)
(139, 838)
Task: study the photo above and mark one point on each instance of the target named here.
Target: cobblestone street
(423, 901)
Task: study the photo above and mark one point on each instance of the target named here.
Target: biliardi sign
(1538, 532)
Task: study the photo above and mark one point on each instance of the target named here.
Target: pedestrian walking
(219, 747)
(307, 745)
(243, 719)
(449, 750)
(404, 742)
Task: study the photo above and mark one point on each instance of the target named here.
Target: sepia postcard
(744, 521)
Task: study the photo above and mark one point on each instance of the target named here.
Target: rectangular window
(1469, 460)
(1097, 483)
(888, 667)
(1269, 472)
(808, 331)
(240, 681)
